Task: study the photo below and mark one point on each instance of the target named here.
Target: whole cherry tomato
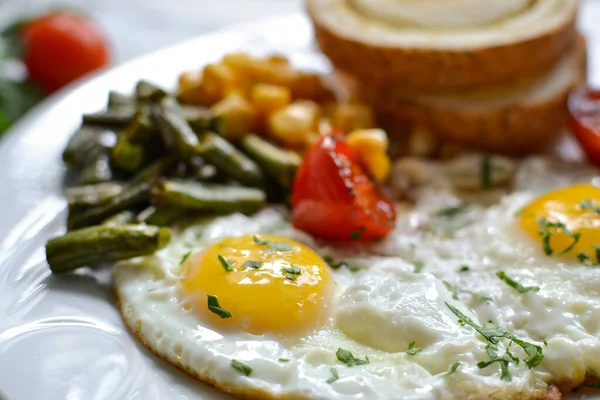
(584, 110)
(61, 47)
(334, 198)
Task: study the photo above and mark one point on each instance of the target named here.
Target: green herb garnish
(450, 212)
(284, 360)
(455, 290)
(240, 366)
(185, 257)
(355, 235)
(452, 369)
(418, 266)
(290, 278)
(516, 285)
(334, 376)
(589, 205)
(226, 264)
(213, 306)
(493, 333)
(339, 264)
(348, 358)
(546, 233)
(252, 264)
(412, 350)
(292, 270)
(464, 268)
(273, 246)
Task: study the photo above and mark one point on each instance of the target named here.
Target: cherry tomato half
(584, 111)
(333, 198)
(61, 47)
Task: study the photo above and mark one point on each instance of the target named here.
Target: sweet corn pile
(270, 97)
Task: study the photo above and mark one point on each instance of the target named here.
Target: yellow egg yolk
(566, 221)
(263, 283)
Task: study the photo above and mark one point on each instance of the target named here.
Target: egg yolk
(264, 283)
(566, 221)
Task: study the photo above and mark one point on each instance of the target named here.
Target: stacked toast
(487, 74)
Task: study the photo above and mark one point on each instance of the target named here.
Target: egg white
(383, 307)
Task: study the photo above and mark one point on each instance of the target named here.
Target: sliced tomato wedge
(584, 111)
(334, 198)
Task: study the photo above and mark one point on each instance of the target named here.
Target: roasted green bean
(100, 244)
(207, 197)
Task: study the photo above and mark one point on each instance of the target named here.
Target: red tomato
(333, 198)
(62, 47)
(584, 110)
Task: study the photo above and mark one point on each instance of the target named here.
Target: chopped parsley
(412, 350)
(240, 366)
(486, 172)
(290, 278)
(355, 235)
(418, 266)
(272, 246)
(546, 232)
(452, 369)
(292, 270)
(493, 333)
(450, 212)
(213, 306)
(334, 376)
(252, 264)
(226, 264)
(284, 360)
(185, 257)
(516, 285)
(455, 290)
(589, 205)
(339, 264)
(464, 268)
(348, 358)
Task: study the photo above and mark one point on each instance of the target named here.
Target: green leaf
(412, 350)
(213, 306)
(273, 246)
(240, 366)
(348, 358)
(516, 285)
(334, 376)
(292, 270)
(355, 235)
(226, 264)
(452, 369)
(185, 257)
(252, 264)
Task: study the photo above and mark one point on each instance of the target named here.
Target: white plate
(62, 338)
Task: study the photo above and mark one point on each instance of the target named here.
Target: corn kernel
(352, 116)
(218, 80)
(190, 88)
(371, 146)
(269, 98)
(239, 113)
(295, 124)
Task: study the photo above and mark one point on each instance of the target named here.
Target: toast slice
(525, 116)
(415, 59)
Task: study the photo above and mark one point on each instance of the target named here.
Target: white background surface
(136, 27)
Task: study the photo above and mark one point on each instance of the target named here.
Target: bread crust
(518, 127)
(425, 70)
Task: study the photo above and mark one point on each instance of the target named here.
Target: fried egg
(256, 308)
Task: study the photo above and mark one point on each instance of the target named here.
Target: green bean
(145, 91)
(160, 216)
(92, 195)
(103, 244)
(122, 218)
(232, 162)
(116, 100)
(98, 170)
(127, 156)
(84, 145)
(279, 164)
(207, 197)
(113, 117)
(134, 193)
(177, 135)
